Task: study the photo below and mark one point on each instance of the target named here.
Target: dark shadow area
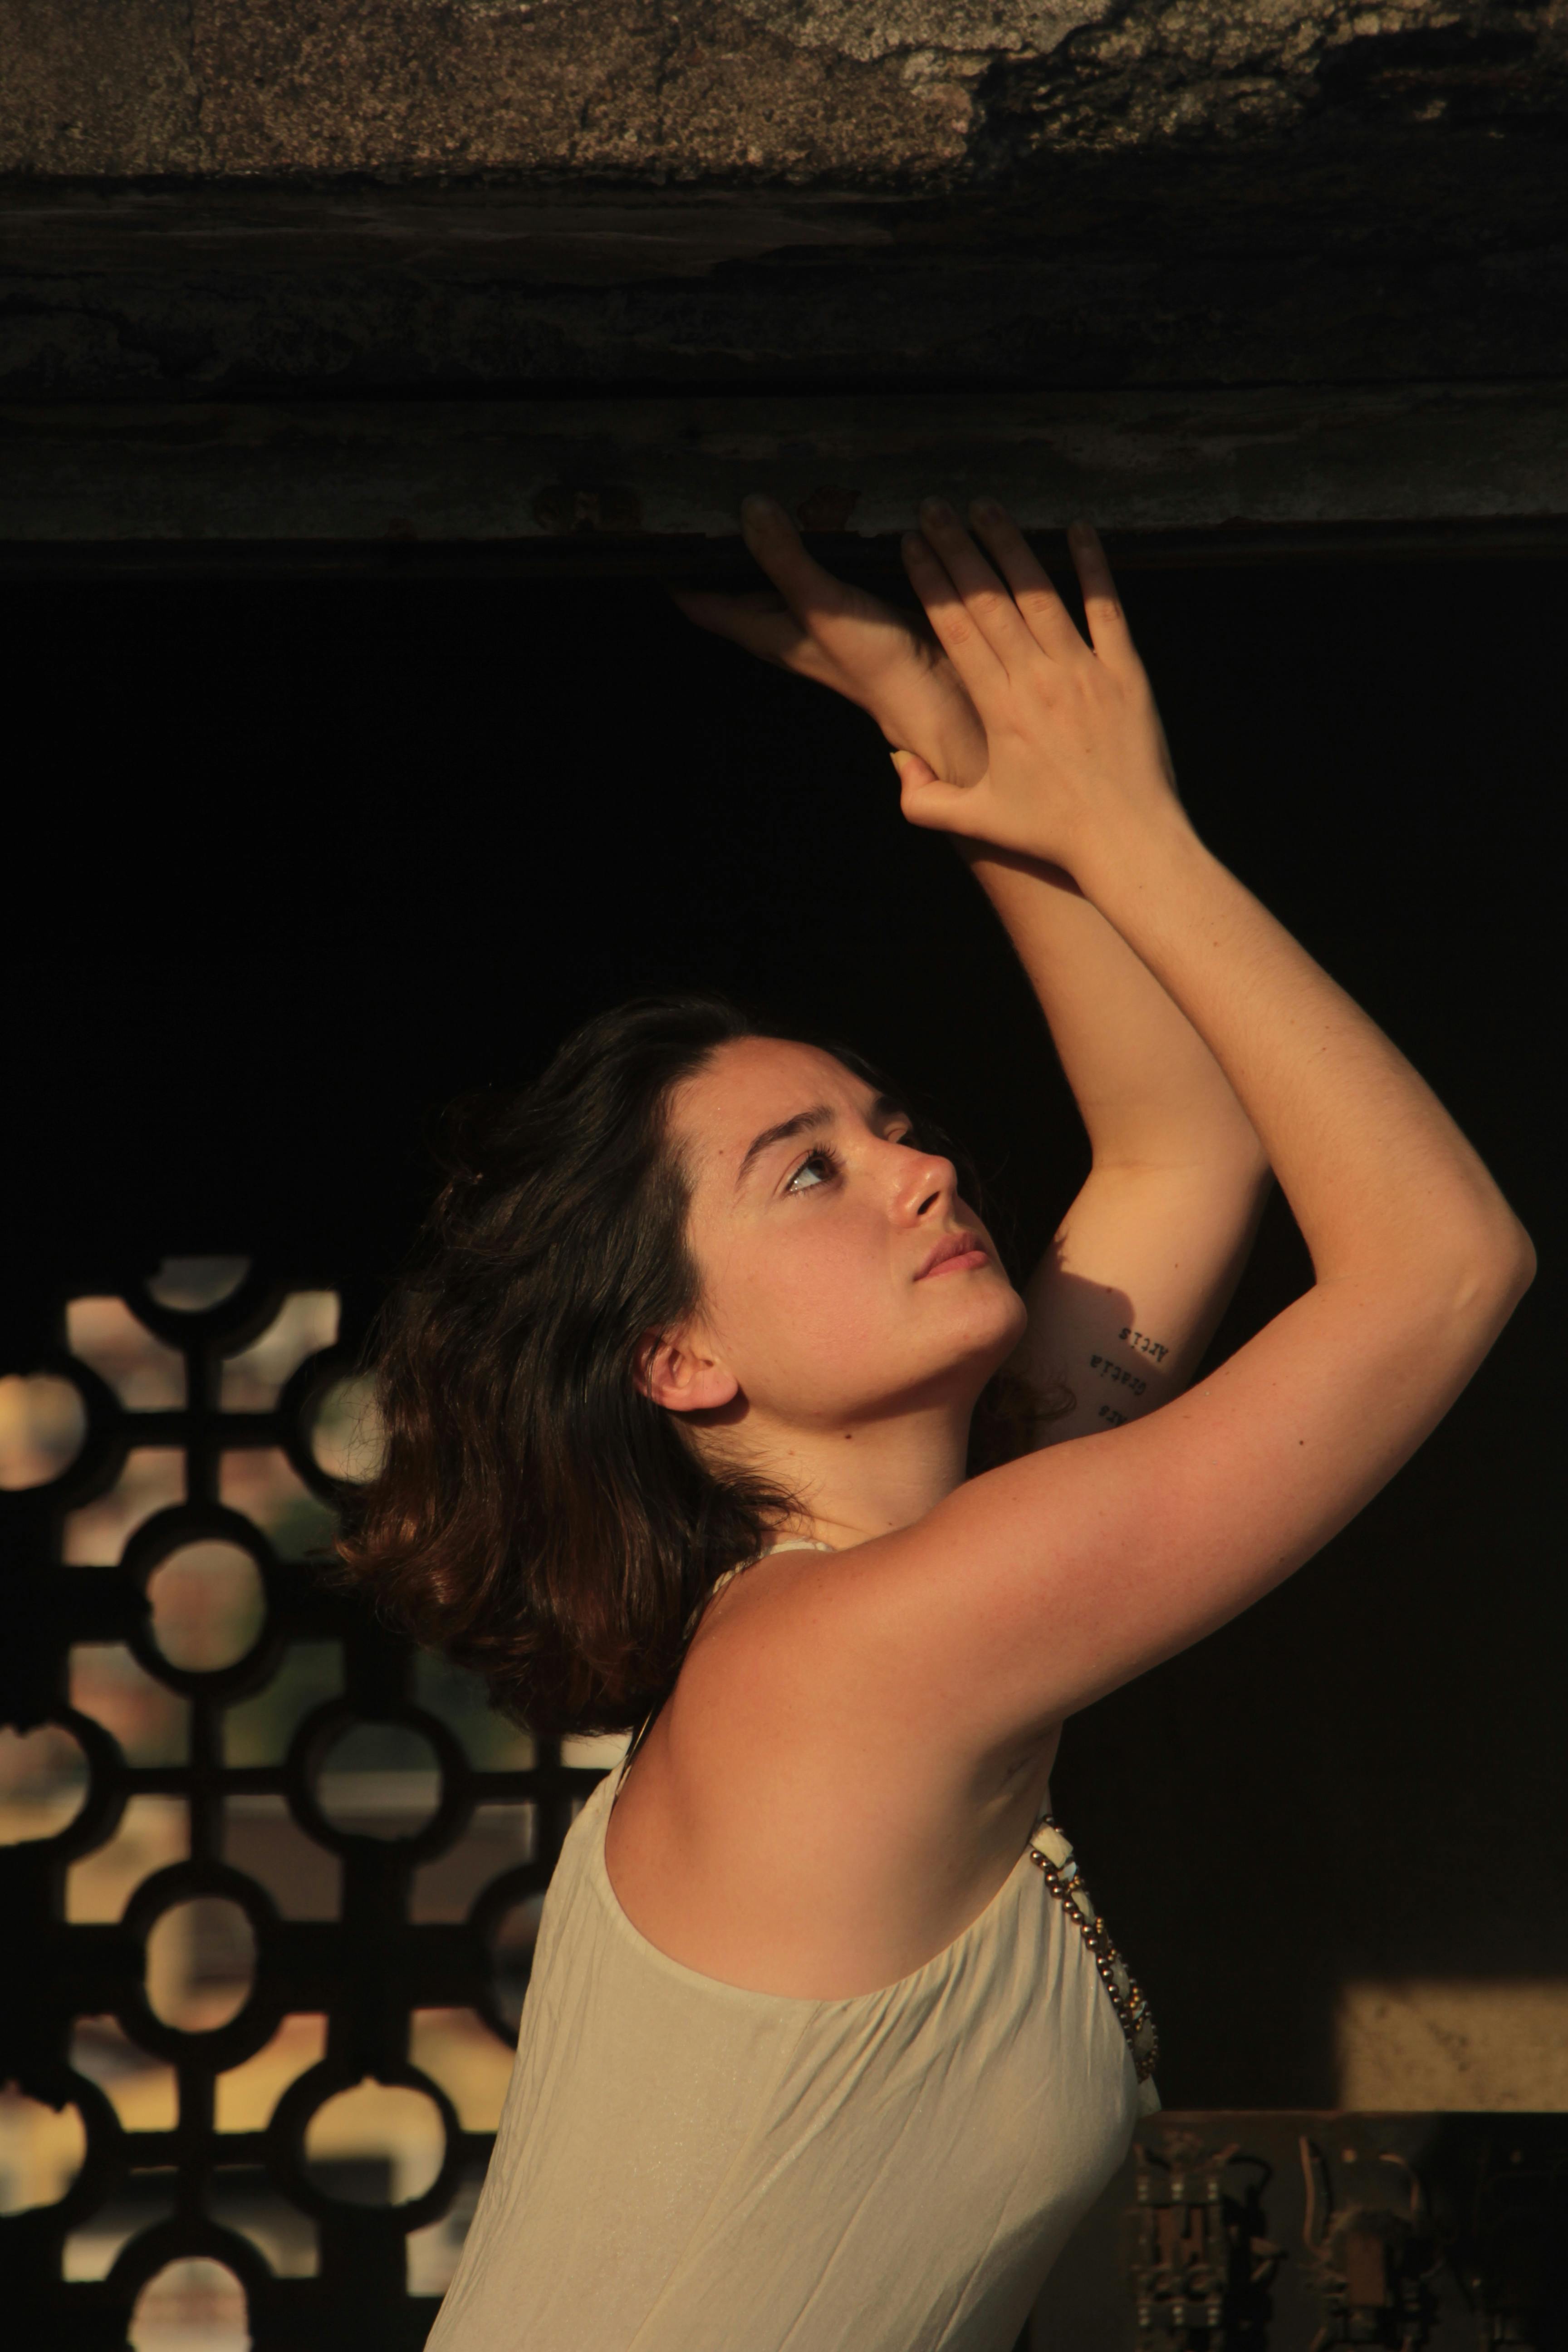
(293, 862)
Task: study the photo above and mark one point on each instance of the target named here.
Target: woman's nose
(929, 1185)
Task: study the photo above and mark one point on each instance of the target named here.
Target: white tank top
(685, 2165)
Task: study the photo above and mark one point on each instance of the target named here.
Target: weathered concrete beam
(1116, 271)
(489, 476)
(900, 93)
(247, 198)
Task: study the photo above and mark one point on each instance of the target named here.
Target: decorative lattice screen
(268, 1880)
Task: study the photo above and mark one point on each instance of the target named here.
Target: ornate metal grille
(239, 1945)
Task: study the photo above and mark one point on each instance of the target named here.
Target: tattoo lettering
(1109, 1370)
(1112, 1419)
(1149, 1346)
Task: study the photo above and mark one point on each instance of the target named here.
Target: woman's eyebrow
(808, 1122)
(804, 1122)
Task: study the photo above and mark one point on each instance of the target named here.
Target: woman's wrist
(1128, 864)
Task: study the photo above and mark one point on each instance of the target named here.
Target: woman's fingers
(1048, 622)
(758, 619)
(985, 598)
(927, 799)
(978, 666)
(845, 636)
(778, 547)
(1108, 629)
(1021, 604)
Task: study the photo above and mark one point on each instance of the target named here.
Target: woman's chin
(980, 1350)
(1000, 1319)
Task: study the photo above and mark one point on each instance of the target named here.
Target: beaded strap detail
(1050, 1850)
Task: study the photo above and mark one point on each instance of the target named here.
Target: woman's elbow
(1519, 1270)
(1499, 1269)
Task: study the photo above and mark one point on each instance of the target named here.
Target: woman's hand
(886, 662)
(1074, 747)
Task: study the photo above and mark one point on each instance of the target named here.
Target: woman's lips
(956, 1265)
(952, 1255)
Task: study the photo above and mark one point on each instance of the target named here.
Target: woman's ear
(672, 1370)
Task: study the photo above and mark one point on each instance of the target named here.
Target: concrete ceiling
(548, 200)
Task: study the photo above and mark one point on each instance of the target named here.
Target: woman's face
(842, 1277)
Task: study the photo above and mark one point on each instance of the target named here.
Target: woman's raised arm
(1036, 1588)
(1142, 1263)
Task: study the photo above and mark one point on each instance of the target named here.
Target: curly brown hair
(535, 1516)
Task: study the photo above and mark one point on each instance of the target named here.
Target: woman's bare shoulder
(777, 1845)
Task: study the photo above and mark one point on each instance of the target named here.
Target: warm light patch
(42, 2150)
(145, 1375)
(142, 2200)
(151, 1722)
(42, 1424)
(247, 2094)
(142, 2090)
(154, 1479)
(253, 1380)
(190, 2303)
(152, 1831)
(378, 2144)
(43, 1783)
(208, 1605)
(201, 1963)
(1474, 2045)
(460, 2054)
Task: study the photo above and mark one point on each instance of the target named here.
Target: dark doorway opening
(298, 860)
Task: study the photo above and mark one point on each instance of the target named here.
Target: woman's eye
(822, 1161)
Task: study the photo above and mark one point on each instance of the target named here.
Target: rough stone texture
(961, 30)
(549, 199)
(482, 473)
(1146, 274)
(619, 87)
(895, 95)
(83, 84)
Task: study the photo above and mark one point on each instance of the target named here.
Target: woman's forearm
(1417, 1257)
(1382, 1181)
(1149, 1091)
(1145, 1258)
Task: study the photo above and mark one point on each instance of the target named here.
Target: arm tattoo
(1141, 1340)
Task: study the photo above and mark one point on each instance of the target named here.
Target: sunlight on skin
(825, 1352)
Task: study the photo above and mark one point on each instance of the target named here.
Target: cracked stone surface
(871, 93)
(205, 198)
(971, 31)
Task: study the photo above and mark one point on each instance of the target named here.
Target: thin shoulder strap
(636, 1741)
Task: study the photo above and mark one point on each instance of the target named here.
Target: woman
(824, 2046)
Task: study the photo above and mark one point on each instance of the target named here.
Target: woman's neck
(859, 1482)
